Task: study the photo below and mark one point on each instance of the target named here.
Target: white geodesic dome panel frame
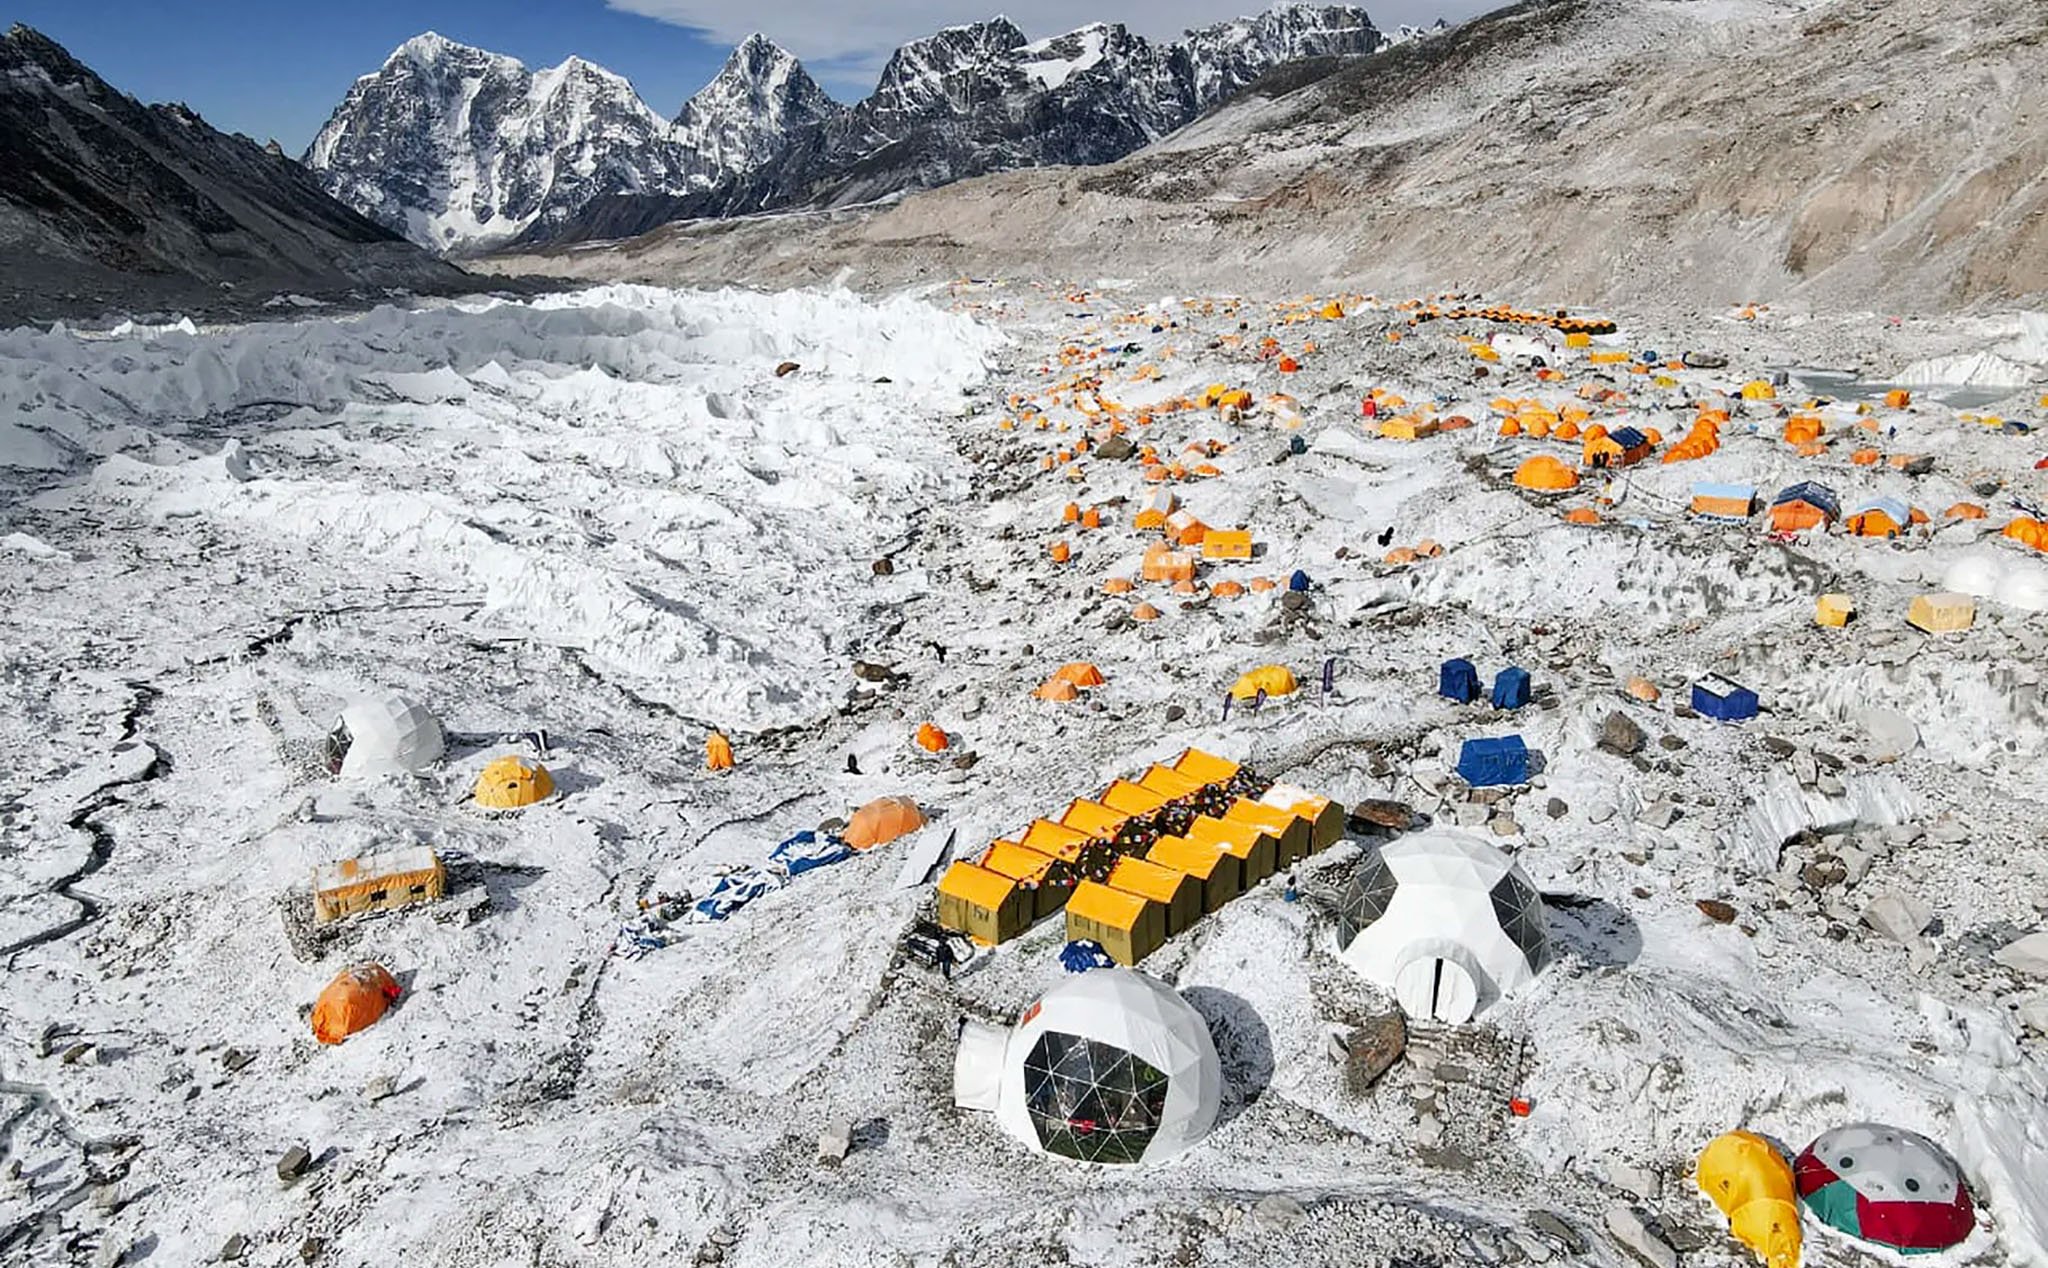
(389, 735)
(1453, 924)
(1119, 1008)
(1881, 1160)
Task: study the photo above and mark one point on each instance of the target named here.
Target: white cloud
(844, 45)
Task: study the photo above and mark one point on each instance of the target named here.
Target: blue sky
(278, 67)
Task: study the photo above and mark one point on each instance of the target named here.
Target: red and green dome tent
(1885, 1185)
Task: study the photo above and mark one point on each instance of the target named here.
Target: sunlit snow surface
(604, 515)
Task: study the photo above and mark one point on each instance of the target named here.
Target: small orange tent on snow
(882, 821)
(353, 1001)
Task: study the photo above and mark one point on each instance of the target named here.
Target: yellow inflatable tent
(1751, 1182)
(508, 784)
(1274, 680)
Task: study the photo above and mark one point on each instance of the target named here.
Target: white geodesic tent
(1109, 1066)
(2003, 578)
(384, 735)
(1445, 921)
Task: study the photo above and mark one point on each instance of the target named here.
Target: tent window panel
(1092, 1101)
(1367, 897)
(377, 895)
(419, 889)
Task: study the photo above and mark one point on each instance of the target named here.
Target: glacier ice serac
(464, 150)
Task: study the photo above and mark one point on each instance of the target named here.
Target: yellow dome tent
(508, 784)
(1751, 1182)
(1274, 680)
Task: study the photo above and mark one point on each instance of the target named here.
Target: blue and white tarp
(729, 889)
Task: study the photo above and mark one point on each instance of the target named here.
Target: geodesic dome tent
(387, 735)
(1885, 1185)
(1109, 1066)
(1445, 921)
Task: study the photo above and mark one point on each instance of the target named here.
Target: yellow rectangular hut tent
(1256, 850)
(1290, 832)
(1227, 544)
(1033, 872)
(1179, 893)
(1325, 818)
(377, 882)
(1129, 926)
(1205, 768)
(1220, 872)
(985, 906)
(1131, 799)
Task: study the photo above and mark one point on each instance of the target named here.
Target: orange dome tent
(882, 821)
(1081, 673)
(2027, 532)
(353, 1001)
(717, 752)
(1964, 511)
(1547, 473)
(1144, 612)
(1057, 689)
(931, 739)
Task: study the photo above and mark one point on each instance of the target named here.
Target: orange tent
(1081, 673)
(1057, 689)
(1164, 564)
(882, 821)
(1060, 552)
(1546, 472)
(1964, 511)
(931, 739)
(717, 752)
(353, 1001)
(1117, 585)
(1144, 612)
(1226, 589)
(1866, 457)
(2028, 532)
(1582, 515)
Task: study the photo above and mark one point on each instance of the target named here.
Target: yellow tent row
(1142, 861)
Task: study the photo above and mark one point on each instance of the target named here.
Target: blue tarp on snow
(1082, 955)
(807, 850)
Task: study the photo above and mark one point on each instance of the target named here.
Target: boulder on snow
(2027, 955)
(1620, 734)
(1899, 917)
(786, 369)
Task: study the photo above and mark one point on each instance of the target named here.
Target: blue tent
(1500, 761)
(1458, 680)
(1819, 496)
(1511, 688)
(1715, 697)
(1299, 581)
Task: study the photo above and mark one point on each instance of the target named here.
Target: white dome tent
(386, 735)
(1109, 1066)
(1445, 921)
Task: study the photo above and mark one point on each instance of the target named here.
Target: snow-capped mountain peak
(463, 149)
(746, 116)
